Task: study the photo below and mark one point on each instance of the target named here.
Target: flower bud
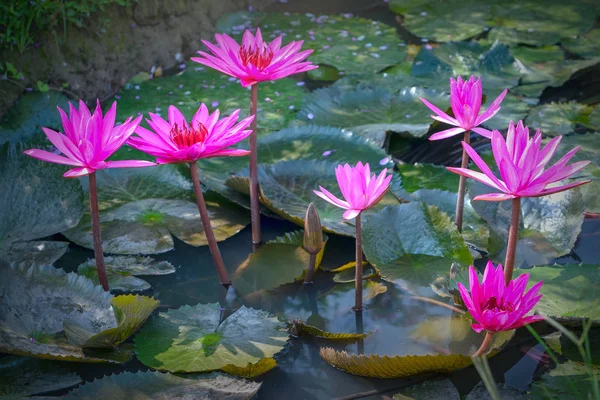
(313, 234)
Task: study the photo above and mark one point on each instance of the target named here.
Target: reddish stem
(100, 267)
(462, 186)
(513, 234)
(310, 271)
(358, 303)
(210, 236)
(487, 341)
(254, 203)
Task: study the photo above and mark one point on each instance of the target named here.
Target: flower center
(493, 304)
(185, 137)
(258, 57)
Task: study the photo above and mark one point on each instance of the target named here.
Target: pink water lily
(205, 136)
(522, 163)
(88, 140)
(465, 100)
(360, 189)
(255, 60)
(496, 306)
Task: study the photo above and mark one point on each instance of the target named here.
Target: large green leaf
(413, 243)
(555, 119)
(279, 261)
(569, 291)
(122, 272)
(153, 385)
(373, 112)
(21, 377)
(513, 108)
(548, 226)
(586, 45)
(35, 200)
(427, 176)
(36, 252)
(191, 339)
(568, 381)
(141, 208)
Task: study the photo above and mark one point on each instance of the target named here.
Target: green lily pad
(24, 121)
(562, 345)
(191, 339)
(514, 108)
(38, 300)
(568, 381)
(548, 226)
(347, 272)
(531, 55)
(122, 272)
(21, 377)
(198, 84)
(141, 208)
(413, 243)
(277, 262)
(36, 252)
(555, 119)
(569, 291)
(373, 112)
(431, 390)
(130, 312)
(35, 202)
(427, 176)
(287, 189)
(586, 45)
(299, 328)
(153, 385)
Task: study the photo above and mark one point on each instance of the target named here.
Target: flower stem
(462, 186)
(513, 234)
(100, 267)
(485, 345)
(254, 203)
(358, 304)
(310, 271)
(360, 329)
(210, 236)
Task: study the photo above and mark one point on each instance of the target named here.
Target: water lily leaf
(153, 385)
(287, 189)
(569, 291)
(198, 84)
(568, 381)
(36, 301)
(586, 45)
(251, 370)
(141, 208)
(36, 200)
(431, 390)
(562, 345)
(24, 121)
(347, 272)
(36, 252)
(130, 312)
(514, 108)
(279, 261)
(555, 119)
(548, 226)
(122, 271)
(373, 112)
(21, 377)
(427, 176)
(191, 339)
(299, 328)
(413, 243)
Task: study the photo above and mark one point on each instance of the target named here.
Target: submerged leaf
(301, 329)
(568, 381)
(347, 272)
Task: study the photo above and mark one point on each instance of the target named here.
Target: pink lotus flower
(465, 100)
(255, 60)
(205, 136)
(360, 189)
(89, 140)
(521, 163)
(495, 306)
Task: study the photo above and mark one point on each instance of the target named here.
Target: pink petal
(130, 164)
(483, 132)
(51, 157)
(439, 112)
(77, 172)
(350, 214)
(494, 197)
(446, 133)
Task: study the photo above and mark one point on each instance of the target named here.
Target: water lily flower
(465, 100)
(88, 140)
(177, 141)
(255, 60)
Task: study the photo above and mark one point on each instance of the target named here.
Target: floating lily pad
(141, 208)
(36, 201)
(198, 84)
(431, 390)
(586, 45)
(568, 381)
(21, 377)
(347, 272)
(373, 112)
(299, 328)
(548, 227)
(427, 176)
(24, 121)
(122, 272)
(35, 252)
(38, 300)
(569, 291)
(277, 262)
(513, 108)
(562, 345)
(191, 339)
(152, 385)
(555, 119)
(413, 243)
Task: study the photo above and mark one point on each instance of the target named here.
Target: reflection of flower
(255, 60)
(88, 140)
(360, 189)
(521, 162)
(495, 306)
(177, 141)
(465, 100)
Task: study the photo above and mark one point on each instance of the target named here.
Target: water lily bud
(313, 234)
